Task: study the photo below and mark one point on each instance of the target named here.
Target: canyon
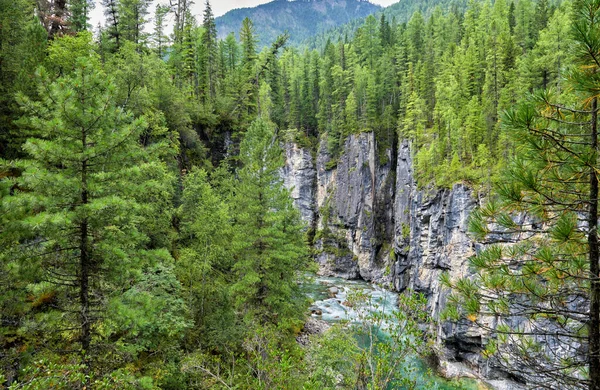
(371, 221)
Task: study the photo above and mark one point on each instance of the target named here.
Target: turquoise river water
(334, 309)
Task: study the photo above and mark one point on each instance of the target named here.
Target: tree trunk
(594, 329)
(84, 278)
(84, 288)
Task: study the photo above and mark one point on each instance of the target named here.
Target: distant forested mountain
(301, 18)
(397, 13)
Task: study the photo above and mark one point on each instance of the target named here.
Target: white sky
(220, 7)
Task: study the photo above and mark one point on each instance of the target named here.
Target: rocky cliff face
(372, 222)
(299, 176)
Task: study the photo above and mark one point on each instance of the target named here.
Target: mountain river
(329, 303)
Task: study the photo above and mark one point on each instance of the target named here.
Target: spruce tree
(22, 48)
(132, 18)
(248, 88)
(113, 29)
(272, 250)
(209, 40)
(80, 14)
(160, 38)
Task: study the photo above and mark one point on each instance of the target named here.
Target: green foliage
(152, 312)
(333, 359)
(542, 258)
(205, 261)
(272, 250)
(132, 18)
(392, 341)
(80, 14)
(45, 374)
(148, 231)
(22, 44)
(78, 246)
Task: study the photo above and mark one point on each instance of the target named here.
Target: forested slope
(397, 13)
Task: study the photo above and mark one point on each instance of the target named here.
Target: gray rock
(299, 176)
(312, 326)
(350, 198)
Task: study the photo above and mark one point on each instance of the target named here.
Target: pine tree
(81, 242)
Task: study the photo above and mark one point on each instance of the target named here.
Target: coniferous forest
(147, 240)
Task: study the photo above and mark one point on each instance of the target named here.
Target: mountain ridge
(301, 18)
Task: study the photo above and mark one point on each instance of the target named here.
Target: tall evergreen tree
(113, 29)
(80, 14)
(272, 250)
(160, 37)
(80, 243)
(209, 40)
(132, 18)
(22, 48)
(181, 10)
(248, 85)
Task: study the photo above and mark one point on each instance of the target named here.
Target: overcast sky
(219, 7)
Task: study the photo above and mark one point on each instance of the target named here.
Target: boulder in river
(333, 291)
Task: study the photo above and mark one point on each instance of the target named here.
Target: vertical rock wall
(373, 223)
(299, 177)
